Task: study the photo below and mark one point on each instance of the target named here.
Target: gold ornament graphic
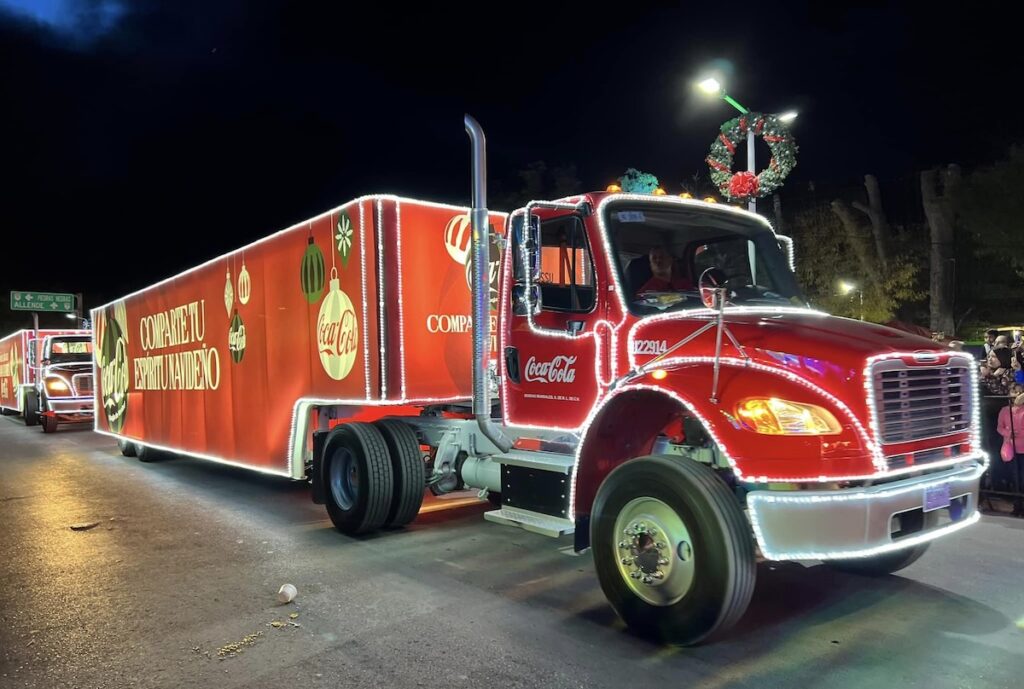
(229, 294)
(244, 285)
(337, 331)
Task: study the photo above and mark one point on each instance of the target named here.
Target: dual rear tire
(374, 476)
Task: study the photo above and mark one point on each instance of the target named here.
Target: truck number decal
(650, 347)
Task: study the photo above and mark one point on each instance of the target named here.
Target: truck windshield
(70, 350)
(663, 250)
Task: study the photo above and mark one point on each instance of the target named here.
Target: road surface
(187, 558)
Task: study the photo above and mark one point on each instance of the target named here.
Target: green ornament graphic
(312, 275)
(343, 237)
(236, 338)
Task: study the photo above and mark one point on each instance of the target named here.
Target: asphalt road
(187, 558)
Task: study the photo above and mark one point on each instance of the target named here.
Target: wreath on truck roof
(746, 184)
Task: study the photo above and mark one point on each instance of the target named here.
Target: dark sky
(141, 138)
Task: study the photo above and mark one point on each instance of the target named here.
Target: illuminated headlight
(57, 386)
(772, 416)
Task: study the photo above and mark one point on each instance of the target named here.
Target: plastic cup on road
(287, 593)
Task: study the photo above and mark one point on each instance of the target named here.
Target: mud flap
(316, 474)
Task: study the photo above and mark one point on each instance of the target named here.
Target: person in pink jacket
(1011, 426)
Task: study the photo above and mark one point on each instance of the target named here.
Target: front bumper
(861, 522)
(70, 408)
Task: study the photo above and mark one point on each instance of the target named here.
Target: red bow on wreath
(743, 185)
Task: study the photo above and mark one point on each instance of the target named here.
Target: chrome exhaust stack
(480, 251)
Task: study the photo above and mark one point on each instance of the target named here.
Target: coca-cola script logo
(337, 333)
(561, 369)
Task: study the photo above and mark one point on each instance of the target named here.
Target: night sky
(141, 138)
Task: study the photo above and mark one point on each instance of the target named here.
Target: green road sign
(42, 302)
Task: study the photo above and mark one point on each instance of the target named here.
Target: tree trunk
(857, 238)
(880, 229)
(938, 209)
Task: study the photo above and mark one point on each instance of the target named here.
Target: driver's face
(661, 260)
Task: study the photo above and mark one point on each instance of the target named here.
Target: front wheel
(49, 423)
(880, 565)
(30, 405)
(672, 549)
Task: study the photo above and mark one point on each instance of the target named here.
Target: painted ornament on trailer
(229, 294)
(244, 285)
(344, 237)
(312, 273)
(337, 331)
(236, 338)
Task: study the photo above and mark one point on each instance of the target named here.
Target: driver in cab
(665, 276)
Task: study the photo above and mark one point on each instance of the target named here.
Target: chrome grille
(917, 402)
(82, 383)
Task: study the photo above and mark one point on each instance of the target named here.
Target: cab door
(551, 348)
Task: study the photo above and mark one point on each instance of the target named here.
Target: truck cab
(63, 388)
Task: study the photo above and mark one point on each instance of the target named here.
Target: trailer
(46, 377)
(677, 426)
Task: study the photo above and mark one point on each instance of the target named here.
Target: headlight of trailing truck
(56, 386)
(772, 416)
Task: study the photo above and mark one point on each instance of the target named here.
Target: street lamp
(713, 87)
(847, 287)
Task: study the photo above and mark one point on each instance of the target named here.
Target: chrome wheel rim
(653, 551)
(344, 479)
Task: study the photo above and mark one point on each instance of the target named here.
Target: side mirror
(526, 243)
(523, 303)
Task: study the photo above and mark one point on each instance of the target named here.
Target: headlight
(772, 416)
(56, 385)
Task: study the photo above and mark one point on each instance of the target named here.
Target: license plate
(936, 497)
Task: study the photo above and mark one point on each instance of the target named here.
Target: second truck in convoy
(675, 427)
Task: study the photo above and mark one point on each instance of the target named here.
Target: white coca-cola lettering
(559, 370)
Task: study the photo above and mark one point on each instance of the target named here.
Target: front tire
(360, 482)
(672, 549)
(49, 423)
(880, 565)
(407, 470)
(30, 405)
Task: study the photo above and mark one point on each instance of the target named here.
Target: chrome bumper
(859, 522)
(70, 406)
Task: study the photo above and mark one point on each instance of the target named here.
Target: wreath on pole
(746, 184)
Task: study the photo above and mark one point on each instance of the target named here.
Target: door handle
(512, 363)
(574, 327)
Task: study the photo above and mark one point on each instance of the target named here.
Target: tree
(829, 250)
(940, 210)
(990, 206)
(538, 182)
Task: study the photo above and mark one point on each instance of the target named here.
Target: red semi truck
(46, 376)
(676, 428)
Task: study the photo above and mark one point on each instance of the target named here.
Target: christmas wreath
(744, 185)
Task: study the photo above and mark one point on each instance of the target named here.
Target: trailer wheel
(4, 411)
(49, 423)
(406, 468)
(146, 453)
(880, 565)
(358, 477)
(30, 406)
(126, 447)
(672, 549)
